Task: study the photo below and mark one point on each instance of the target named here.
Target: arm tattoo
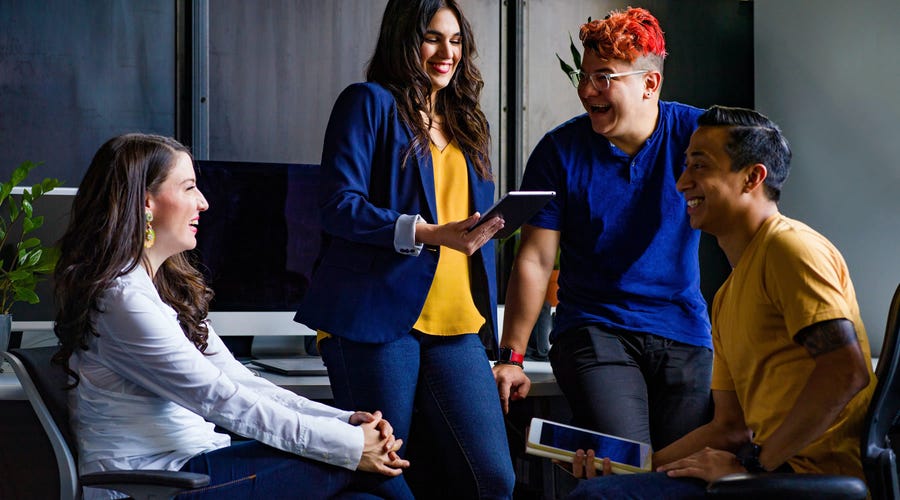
(827, 336)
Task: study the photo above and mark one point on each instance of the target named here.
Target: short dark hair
(753, 138)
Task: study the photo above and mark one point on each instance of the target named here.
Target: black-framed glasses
(600, 80)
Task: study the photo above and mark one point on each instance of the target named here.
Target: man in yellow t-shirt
(792, 374)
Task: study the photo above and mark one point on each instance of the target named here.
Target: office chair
(44, 383)
(878, 458)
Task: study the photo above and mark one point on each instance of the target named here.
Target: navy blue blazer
(362, 288)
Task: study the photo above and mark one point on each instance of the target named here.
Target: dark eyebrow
(433, 32)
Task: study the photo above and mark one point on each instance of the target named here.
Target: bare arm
(726, 431)
(840, 373)
(524, 299)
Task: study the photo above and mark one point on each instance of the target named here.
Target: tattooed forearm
(826, 336)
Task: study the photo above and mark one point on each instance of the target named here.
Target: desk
(543, 383)
(26, 455)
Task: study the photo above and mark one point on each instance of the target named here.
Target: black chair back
(878, 458)
(51, 381)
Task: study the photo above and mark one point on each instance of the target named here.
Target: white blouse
(148, 399)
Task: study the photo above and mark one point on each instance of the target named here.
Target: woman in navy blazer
(382, 243)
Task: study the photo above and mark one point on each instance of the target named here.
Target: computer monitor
(257, 243)
(54, 206)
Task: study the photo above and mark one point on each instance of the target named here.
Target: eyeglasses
(600, 80)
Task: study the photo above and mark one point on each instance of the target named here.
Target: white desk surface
(543, 382)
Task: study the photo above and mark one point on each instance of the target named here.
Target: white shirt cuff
(405, 235)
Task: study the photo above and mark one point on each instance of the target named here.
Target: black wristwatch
(748, 456)
(509, 357)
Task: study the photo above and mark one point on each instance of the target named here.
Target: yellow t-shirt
(788, 278)
(449, 307)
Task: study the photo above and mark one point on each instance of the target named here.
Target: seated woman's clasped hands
(380, 452)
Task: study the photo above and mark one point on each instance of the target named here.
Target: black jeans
(637, 386)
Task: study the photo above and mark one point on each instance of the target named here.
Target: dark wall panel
(73, 73)
(276, 68)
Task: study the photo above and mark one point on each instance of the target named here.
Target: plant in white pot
(24, 260)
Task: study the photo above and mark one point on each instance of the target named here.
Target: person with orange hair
(631, 346)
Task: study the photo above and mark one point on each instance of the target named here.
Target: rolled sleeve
(405, 235)
(333, 443)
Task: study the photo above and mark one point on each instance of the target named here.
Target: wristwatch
(510, 357)
(748, 456)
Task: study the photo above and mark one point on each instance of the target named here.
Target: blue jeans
(637, 386)
(250, 469)
(440, 396)
(647, 486)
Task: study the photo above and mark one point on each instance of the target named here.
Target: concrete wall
(829, 72)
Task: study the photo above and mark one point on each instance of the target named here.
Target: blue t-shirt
(628, 257)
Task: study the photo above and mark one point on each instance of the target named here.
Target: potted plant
(24, 260)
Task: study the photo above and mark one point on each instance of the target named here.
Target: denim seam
(454, 433)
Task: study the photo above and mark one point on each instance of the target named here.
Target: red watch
(510, 357)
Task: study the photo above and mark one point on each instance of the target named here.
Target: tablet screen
(566, 438)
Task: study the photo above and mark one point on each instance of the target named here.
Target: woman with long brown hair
(404, 296)
(150, 377)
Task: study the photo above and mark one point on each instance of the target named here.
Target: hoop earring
(149, 233)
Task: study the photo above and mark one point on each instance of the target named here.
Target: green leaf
(25, 261)
(18, 275)
(13, 209)
(26, 204)
(27, 295)
(31, 258)
(30, 224)
(568, 70)
(30, 242)
(21, 172)
(48, 185)
(576, 55)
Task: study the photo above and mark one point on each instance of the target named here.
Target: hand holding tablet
(515, 207)
(559, 441)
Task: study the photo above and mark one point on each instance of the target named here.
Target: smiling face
(176, 205)
(441, 48)
(626, 112)
(714, 193)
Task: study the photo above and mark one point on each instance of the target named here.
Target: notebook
(310, 365)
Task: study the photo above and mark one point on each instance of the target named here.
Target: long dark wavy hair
(397, 66)
(105, 240)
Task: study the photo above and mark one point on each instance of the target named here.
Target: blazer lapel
(426, 175)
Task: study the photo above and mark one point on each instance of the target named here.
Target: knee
(600, 488)
(499, 486)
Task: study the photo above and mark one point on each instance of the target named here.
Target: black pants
(637, 386)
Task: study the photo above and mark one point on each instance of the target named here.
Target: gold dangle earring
(149, 233)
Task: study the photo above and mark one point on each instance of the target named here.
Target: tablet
(560, 441)
(516, 207)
